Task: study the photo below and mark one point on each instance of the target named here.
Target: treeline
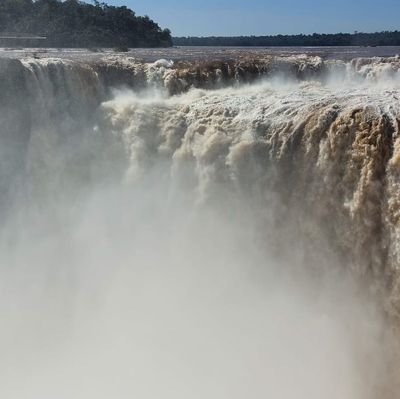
(337, 39)
(72, 23)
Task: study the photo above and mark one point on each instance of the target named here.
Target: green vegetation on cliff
(73, 23)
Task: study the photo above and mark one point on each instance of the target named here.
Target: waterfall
(218, 229)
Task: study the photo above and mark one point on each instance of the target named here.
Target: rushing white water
(232, 240)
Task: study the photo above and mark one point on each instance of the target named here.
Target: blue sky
(259, 17)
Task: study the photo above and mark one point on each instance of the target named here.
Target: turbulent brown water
(213, 229)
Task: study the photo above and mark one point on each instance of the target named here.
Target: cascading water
(215, 230)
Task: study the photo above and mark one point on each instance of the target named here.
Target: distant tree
(316, 39)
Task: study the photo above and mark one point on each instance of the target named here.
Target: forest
(73, 23)
(337, 39)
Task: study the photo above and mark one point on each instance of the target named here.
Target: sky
(264, 17)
